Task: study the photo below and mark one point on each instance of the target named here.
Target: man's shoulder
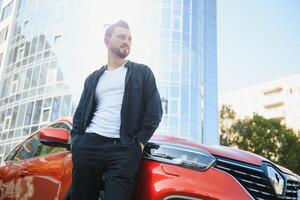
(94, 73)
(140, 68)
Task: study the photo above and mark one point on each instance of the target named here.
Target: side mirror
(55, 137)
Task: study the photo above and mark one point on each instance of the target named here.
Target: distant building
(278, 98)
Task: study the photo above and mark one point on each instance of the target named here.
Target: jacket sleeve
(75, 132)
(152, 108)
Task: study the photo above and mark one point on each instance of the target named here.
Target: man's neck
(114, 62)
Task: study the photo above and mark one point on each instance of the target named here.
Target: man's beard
(119, 53)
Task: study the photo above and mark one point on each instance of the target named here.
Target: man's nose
(127, 41)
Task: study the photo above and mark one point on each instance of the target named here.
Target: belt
(106, 139)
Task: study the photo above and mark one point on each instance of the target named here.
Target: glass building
(54, 44)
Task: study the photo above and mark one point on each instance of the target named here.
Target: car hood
(224, 152)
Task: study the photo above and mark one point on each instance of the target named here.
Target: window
(41, 43)
(7, 122)
(20, 53)
(28, 78)
(3, 35)
(1, 149)
(45, 114)
(273, 91)
(55, 108)
(43, 74)
(33, 45)
(28, 113)
(174, 91)
(25, 131)
(44, 149)
(51, 75)
(7, 148)
(186, 21)
(59, 75)
(4, 136)
(35, 76)
(184, 101)
(14, 117)
(14, 86)
(6, 11)
(174, 106)
(37, 112)
(16, 50)
(27, 46)
(47, 102)
(21, 115)
(65, 109)
(34, 148)
(27, 149)
(21, 81)
(10, 134)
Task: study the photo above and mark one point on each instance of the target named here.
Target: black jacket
(141, 110)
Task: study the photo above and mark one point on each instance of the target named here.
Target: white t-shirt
(109, 96)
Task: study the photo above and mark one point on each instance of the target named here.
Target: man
(118, 112)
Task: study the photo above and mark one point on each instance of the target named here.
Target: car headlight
(276, 180)
(179, 154)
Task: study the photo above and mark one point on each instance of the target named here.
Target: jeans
(96, 157)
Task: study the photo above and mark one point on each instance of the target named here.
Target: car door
(9, 173)
(41, 171)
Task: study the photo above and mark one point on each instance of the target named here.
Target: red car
(39, 168)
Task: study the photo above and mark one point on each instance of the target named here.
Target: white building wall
(278, 98)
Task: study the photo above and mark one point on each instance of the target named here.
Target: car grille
(291, 189)
(255, 181)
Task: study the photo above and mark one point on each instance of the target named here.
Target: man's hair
(110, 29)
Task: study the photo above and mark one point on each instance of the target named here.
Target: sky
(258, 40)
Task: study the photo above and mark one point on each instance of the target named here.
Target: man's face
(120, 42)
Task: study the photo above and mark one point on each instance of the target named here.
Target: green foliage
(266, 137)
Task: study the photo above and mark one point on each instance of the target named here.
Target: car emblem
(276, 180)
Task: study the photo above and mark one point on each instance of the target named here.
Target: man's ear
(106, 40)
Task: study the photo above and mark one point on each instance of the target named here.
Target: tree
(227, 119)
(266, 137)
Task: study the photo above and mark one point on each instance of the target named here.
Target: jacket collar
(128, 65)
(129, 71)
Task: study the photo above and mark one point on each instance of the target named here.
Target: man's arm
(75, 132)
(153, 108)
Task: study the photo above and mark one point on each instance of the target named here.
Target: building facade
(278, 98)
(6, 17)
(55, 44)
